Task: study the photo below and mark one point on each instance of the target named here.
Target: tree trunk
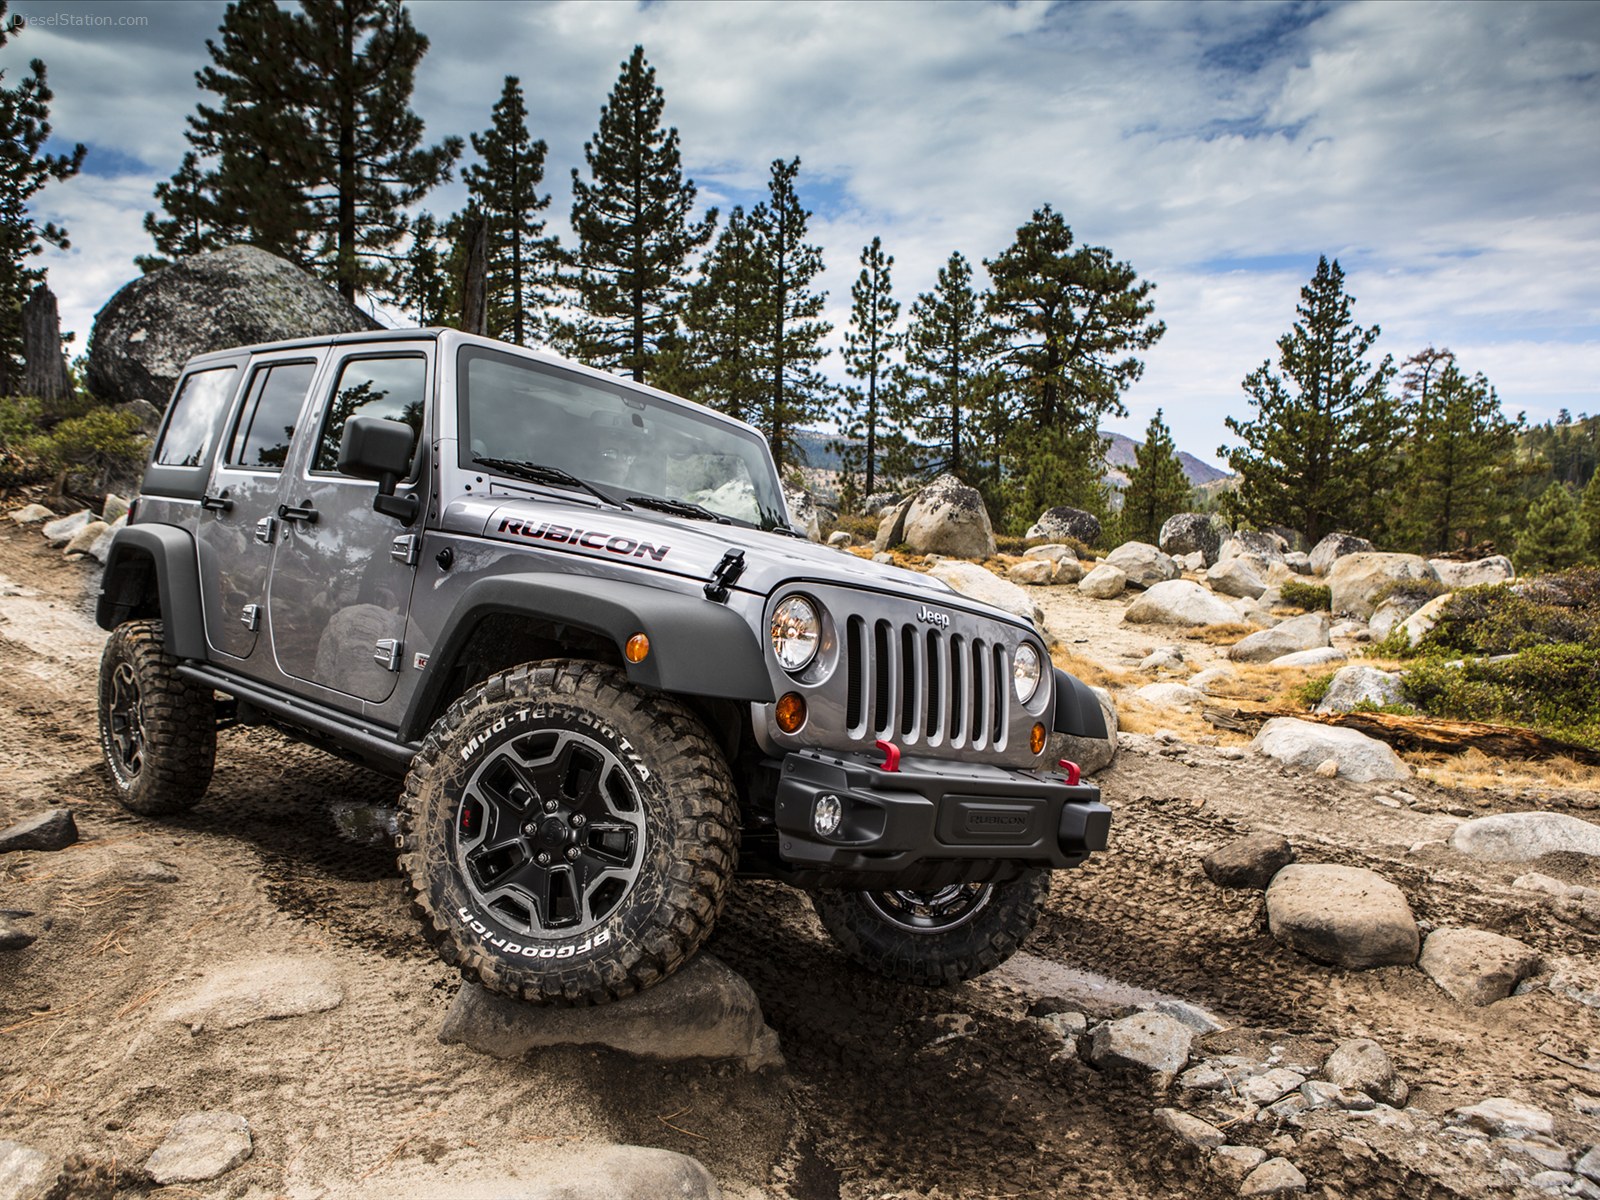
(475, 275)
(45, 375)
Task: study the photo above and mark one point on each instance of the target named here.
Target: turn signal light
(1036, 738)
(638, 646)
(791, 712)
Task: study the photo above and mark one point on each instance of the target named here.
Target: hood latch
(724, 575)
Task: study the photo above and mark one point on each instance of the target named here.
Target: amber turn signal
(638, 646)
(791, 712)
(1036, 738)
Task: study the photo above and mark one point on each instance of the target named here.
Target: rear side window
(393, 388)
(195, 413)
(266, 426)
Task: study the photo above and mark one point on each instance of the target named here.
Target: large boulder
(1105, 582)
(1060, 523)
(1192, 533)
(1142, 563)
(1356, 579)
(1267, 547)
(948, 517)
(1420, 623)
(1345, 916)
(227, 298)
(1307, 745)
(1308, 632)
(1524, 836)
(1091, 754)
(1355, 685)
(1236, 577)
(1179, 602)
(985, 586)
(891, 526)
(1334, 547)
(1474, 966)
(1496, 568)
(1249, 862)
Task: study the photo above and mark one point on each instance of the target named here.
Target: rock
(1168, 658)
(1147, 1041)
(841, 539)
(1234, 1163)
(53, 829)
(704, 1011)
(1235, 577)
(1535, 882)
(1275, 1177)
(892, 527)
(881, 557)
(1190, 562)
(1263, 547)
(14, 936)
(1356, 579)
(1496, 568)
(113, 508)
(1091, 754)
(1032, 572)
(875, 504)
(948, 517)
(63, 529)
(1051, 552)
(216, 301)
(1178, 602)
(1250, 862)
(1328, 768)
(1190, 1130)
(1559, 1182)
(1068, 570)
(1319, 1094)
(1524, 836)
(1105, 582)
(1170, 695)
(1345, 916)
(1390, 613)
(1271, 1086)
(1214, 679)
(1322, 656)
(1419, 623)
(1193, 533)
(802, 512)
(1474, 966)
(1334, 547)
(1355, 685)
(586, 1171)
(1361, 1065)
(26, 1173)
(1354, 630)
(101, 550)
(270, 988)
(1504, 1117)
(85, 538)
(31, 514)
(1308, 632)
(1196, 1018)
(1298, 561)
(1589, 1165)
(1303, 744)
(1142, 563)
(202, 1145)
(1060, 523)
(983, 585)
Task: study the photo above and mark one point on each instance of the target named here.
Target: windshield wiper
(540, 473)
(681, 508)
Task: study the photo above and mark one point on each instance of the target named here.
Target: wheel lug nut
(572, 853)
(529, 830)
(543, 858)
(550, 806)
(577, 820)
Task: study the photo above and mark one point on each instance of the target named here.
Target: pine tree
(506, 188)
(190, 225)
(634, 229)
(1589, 512)
(1455, 488)
(870, 343)
(720, 360)
(423, 279)
(24, 172)
(1321, 450)
(1157, 486)
(1554, 537)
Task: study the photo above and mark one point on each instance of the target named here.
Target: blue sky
(1447, 154)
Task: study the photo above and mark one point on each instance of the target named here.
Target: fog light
(1036, 739)
(638, 646)
(791, 712)
(826, 815)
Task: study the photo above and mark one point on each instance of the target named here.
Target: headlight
(1025, 671)
(795, 632)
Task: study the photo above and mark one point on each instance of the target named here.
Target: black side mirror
(380, 449)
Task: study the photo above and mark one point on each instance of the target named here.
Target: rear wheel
(158, 732)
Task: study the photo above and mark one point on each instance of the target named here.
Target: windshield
(627, 443)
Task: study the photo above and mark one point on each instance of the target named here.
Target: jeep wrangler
(571, 613)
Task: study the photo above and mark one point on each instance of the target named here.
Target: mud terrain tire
(934, 938)
(567, 837)
(158, 732)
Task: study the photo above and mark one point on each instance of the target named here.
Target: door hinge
(265, 529)
(251, 617)
(387, 654)
(404, 549)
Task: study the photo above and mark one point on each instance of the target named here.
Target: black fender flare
(697, 647)
(1077, 708)
(170, 553)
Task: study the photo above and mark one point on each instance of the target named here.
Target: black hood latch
(724, 575)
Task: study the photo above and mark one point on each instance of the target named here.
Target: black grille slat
(855, 683)
(935, 705)
(958, 700)
(910, 704)
(882, 714)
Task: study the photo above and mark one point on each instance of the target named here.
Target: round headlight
(795, 632)
(1025, 671)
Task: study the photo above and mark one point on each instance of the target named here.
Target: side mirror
(380, 449)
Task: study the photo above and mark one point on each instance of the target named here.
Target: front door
(342, 573)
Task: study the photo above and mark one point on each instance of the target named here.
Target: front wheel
(158, 731)
(934, 937)
(566, 836)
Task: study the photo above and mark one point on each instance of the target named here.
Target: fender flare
(170, 551)
(1077, 708)
(697, 648)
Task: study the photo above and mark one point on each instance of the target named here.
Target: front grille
(914, 685)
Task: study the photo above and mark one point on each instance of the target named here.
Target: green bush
(1505, 618)
(1553, 688)
(1415, 592)
(34, 449)
(1314, 690)
(1309, 596)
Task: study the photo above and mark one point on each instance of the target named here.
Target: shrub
(1554, 688)
(98, 443)
(1313, 691)
(1415, 592)
(1505, 618)
(1309, 596)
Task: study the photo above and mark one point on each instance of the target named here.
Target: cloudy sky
(1447, 154)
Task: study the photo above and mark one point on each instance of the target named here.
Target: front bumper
(932, 810)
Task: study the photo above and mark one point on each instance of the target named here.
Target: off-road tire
(158, 732)
(648, 746)
(860, 925)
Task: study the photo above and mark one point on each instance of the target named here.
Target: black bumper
(932, 810)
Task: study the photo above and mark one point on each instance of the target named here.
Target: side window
(195, 414)
(266, 426)
(393, 388)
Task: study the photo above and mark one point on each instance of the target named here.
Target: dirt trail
(891, 1091)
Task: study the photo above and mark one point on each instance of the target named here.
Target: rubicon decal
(589, 539)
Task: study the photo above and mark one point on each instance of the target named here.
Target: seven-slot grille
(910, 683)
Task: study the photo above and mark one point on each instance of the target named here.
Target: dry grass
(1266, 686)
(1093, 673)
(1225, 634)
(1475, 769)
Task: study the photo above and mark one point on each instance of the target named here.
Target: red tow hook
(891, 755)
(1071, 768)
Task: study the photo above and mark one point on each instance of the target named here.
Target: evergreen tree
(1589, 512)
(1157, 486)
(1553, 538)
(870, 343)
(506, 188)
(424, 288)
(720, 360)
(24, 172)
(1455, 488)
(1319, 454)
(791, 341)
(189, 227)
(634, 229)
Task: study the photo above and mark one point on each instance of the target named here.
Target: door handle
(217, 503)
(303, 512)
